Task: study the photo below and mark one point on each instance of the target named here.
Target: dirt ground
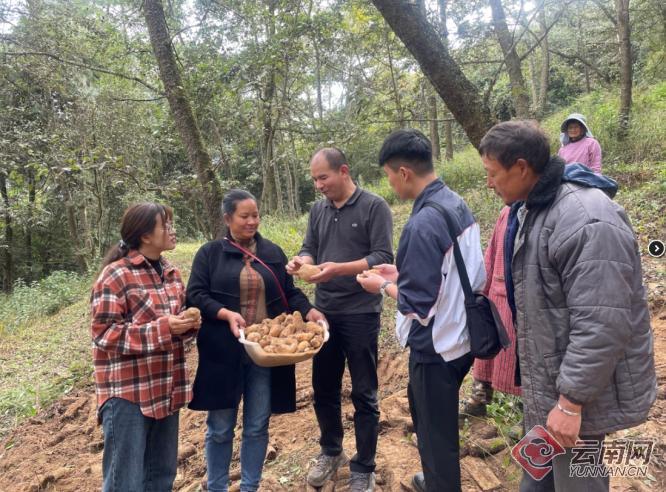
(61, 449)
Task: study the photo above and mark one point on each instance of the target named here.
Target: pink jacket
(586, 151)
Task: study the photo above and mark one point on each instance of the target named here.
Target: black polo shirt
(361, 228)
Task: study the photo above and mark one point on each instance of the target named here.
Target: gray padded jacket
(582, 318)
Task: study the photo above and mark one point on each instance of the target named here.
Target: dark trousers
(433, 402)
(352, 338)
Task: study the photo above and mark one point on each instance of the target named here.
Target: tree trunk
(545, 65)
(32, 196)
(423, 41)
(626, 73)
(320, 105)
(394, 82)
(272, 192)
(183, 115)
(534, 83)
(226, 165)
(448, 139)
(295, 174)
(434, 124)
(512, 61)
(8, 277)
(443, 30)
(444, 33)
(279, 197)
(72, 225)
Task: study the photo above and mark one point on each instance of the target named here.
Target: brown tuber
(286, 334)
(307, 271)
(192, 313)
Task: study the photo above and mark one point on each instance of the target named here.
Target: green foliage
(382, 188)
(505, 409)
(286, 231)
(40, 298)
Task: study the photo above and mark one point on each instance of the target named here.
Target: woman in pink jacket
(578, 144)
(498, 373)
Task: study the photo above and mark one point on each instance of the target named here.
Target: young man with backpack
(431, 317)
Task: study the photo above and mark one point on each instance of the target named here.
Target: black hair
(412, 148)
(518, 139)
(335, 157)
(139, 219)
(230, 202)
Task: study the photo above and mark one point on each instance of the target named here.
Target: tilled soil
(61, 449)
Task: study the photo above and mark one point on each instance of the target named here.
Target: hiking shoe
(361, 482)
(418, 482)
(473, 408)
(325, 467)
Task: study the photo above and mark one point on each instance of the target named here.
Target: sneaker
(324, 468)
(418, 482)
(361, 482)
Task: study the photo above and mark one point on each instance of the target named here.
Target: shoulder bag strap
(460, 263)
(251, 255)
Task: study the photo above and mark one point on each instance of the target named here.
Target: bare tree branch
(540, 39)
(584, 61)
(83, 65)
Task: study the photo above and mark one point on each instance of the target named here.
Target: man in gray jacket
(574, 283)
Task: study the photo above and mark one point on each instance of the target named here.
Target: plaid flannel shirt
(135, 356)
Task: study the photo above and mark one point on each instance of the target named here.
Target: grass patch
(46, 297)
(42, 360)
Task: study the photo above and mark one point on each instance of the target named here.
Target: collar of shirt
(137, 259)
(427, 192)
(350, 202)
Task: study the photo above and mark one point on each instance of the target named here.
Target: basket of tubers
(284, 340)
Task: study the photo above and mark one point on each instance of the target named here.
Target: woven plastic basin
(264, 359)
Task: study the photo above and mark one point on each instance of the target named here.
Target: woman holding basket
(237, 281)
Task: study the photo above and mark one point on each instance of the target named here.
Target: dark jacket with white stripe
(431, 304)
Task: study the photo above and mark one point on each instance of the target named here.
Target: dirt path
(61, 449)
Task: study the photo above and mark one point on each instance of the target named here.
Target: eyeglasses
(169, 228)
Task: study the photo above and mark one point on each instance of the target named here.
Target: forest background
(104, 103)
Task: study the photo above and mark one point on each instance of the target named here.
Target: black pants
(433, 402)
(354, 338)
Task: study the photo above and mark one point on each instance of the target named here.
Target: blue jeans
(220, 434)
(140, 453)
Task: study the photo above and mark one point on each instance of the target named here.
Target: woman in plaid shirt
(138, 330)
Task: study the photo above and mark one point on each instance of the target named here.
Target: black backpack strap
(460, 263)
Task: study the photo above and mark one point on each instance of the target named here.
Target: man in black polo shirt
(349, 231)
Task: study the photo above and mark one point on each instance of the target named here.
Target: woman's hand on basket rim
(235, 320)
(315, 315)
